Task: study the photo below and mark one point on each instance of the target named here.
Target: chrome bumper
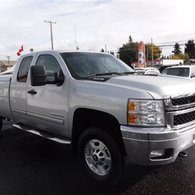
(141, 143)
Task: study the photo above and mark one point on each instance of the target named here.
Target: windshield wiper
(108, 73)
(101, 74)
(133, 72)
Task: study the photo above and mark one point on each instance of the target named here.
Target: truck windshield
(84, 64)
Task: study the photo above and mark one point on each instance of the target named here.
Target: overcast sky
(98, 23)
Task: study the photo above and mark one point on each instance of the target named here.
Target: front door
(47, 105)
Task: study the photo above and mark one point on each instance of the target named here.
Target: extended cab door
(47, 104)
(18, 90)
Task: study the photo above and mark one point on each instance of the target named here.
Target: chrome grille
(183, 118)
(183, 100)
(180, 110)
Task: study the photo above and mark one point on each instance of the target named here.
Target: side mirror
(55, 78)
(60, 78)
(38, 76)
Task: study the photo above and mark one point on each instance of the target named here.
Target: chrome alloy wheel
(98, 157)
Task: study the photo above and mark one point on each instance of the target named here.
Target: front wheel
(100, 156)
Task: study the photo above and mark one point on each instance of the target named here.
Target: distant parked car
(147, 70)
(152, 72)
(186, 71)
(166, 66)
(139, 70)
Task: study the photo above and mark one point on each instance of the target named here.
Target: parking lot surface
(33, 165)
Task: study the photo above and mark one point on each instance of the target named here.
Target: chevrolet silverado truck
(96, 103)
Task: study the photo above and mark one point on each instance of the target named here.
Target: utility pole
(147, 55)
(105, 48)
(8, 61)
(75, 36)
(152, 51)
(51, 31)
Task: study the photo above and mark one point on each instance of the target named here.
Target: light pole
(75, 35)
(152, 50)
(51, 32)
(8, 61)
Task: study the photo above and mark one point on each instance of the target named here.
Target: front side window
(52, 67)
(24, 68)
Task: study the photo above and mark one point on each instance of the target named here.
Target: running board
(43, 134)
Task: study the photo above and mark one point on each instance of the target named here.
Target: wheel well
(84, 118)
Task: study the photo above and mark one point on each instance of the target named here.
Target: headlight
(146, 112)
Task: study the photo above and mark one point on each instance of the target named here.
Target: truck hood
(157, 86)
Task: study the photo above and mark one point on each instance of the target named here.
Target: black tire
(110, 174)
(1, 123)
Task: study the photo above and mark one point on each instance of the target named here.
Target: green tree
(190, 49)
(151, 49)
(178, 53)
(129, 51)
(184, 57)
(177, 49)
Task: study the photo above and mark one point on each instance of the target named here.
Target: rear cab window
(24, 69)
(182, 72)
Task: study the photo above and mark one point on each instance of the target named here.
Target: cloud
(98, 23)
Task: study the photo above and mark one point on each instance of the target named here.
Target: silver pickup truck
(96, 103)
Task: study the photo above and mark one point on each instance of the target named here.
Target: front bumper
(140, 142)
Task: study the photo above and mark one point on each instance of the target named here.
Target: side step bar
(43, 134)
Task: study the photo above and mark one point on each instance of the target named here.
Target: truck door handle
(32, 92)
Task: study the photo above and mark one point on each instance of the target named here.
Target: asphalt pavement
(33, 165)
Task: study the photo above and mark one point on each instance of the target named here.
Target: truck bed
(4, 96)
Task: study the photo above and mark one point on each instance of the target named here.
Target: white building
(166, 62)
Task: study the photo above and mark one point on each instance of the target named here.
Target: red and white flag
(20, 51)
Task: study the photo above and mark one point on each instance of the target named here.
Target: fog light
(157, 154)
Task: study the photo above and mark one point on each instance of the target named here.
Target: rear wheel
(100, 156)
(1, 123)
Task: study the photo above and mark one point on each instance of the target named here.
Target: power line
(176, 41)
